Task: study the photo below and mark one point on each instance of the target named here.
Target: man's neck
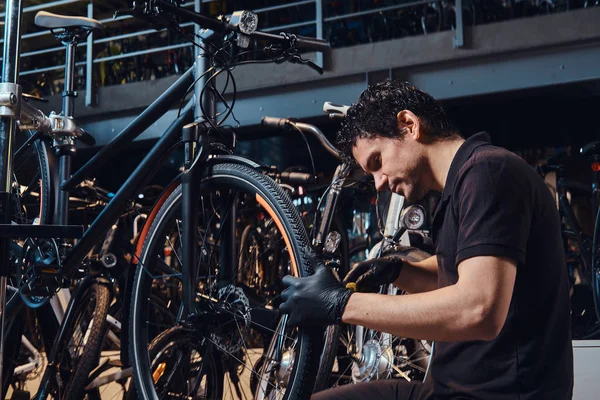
(441, 154)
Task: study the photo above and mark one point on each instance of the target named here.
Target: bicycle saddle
(591, 149)
(48, 20)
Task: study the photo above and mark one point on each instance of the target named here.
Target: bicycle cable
(312, 160)
(189, 89)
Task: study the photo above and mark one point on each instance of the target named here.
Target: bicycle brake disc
(229, 335)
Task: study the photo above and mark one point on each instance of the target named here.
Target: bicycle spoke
(343, 374)
(258, 256)
(264, 327)
(167, 271)
(173, 249)
(241, 363)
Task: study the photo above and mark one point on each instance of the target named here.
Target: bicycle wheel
(362, 354)
(236, 326)
(83, 337)
(32, 179)
(31, 204)
(33, 187)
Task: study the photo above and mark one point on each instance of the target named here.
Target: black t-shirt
(494, 204)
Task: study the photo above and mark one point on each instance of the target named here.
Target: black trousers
(379, 389)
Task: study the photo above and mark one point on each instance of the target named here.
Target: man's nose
(380, 182)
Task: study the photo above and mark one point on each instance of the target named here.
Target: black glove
(315, 300)
(369, 275)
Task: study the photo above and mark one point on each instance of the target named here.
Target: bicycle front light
(413, 217)
(245, 21)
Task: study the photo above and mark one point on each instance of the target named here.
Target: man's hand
(315, 300)
(369, 275)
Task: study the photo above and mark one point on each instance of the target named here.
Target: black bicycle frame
(143, 173)
(194, 165)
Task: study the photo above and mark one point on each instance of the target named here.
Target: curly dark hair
(375, 115)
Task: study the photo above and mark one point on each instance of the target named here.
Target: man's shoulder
(492, 168)
(496, 161)
(496, 155)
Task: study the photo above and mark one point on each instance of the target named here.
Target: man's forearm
(418, 277)
(442, 315)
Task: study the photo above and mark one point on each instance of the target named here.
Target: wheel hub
(375, 362)
(286, 366)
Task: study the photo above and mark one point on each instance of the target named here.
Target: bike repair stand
(10, 97)
(10, 113)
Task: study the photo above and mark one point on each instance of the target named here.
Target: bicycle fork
(189, 184)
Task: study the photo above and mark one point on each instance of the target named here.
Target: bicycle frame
(196, 150)
(142, 174)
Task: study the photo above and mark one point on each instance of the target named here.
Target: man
(495, 297)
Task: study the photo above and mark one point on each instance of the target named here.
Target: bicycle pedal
(43, 280)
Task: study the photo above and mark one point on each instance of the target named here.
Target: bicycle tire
(333, 333)
(35, 159)
(222, 177)
(76, 370)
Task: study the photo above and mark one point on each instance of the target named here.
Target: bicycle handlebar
(335, 110)
(285, 123)
(297, 178)
(275, 122)
(216, 25)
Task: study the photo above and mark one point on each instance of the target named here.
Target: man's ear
(408, 123)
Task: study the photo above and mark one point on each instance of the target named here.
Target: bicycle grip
(311, 43)
(275, 122)
(86, 137)
(335, 110)
(298, 178)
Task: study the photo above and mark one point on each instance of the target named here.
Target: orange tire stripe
(286, 238)
(150, 219)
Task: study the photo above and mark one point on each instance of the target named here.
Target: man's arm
(475, 308)
(418, 277)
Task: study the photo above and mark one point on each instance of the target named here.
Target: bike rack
(458, 41)
(41, 231)
(319, 21)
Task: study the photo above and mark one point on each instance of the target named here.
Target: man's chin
(413, 196)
